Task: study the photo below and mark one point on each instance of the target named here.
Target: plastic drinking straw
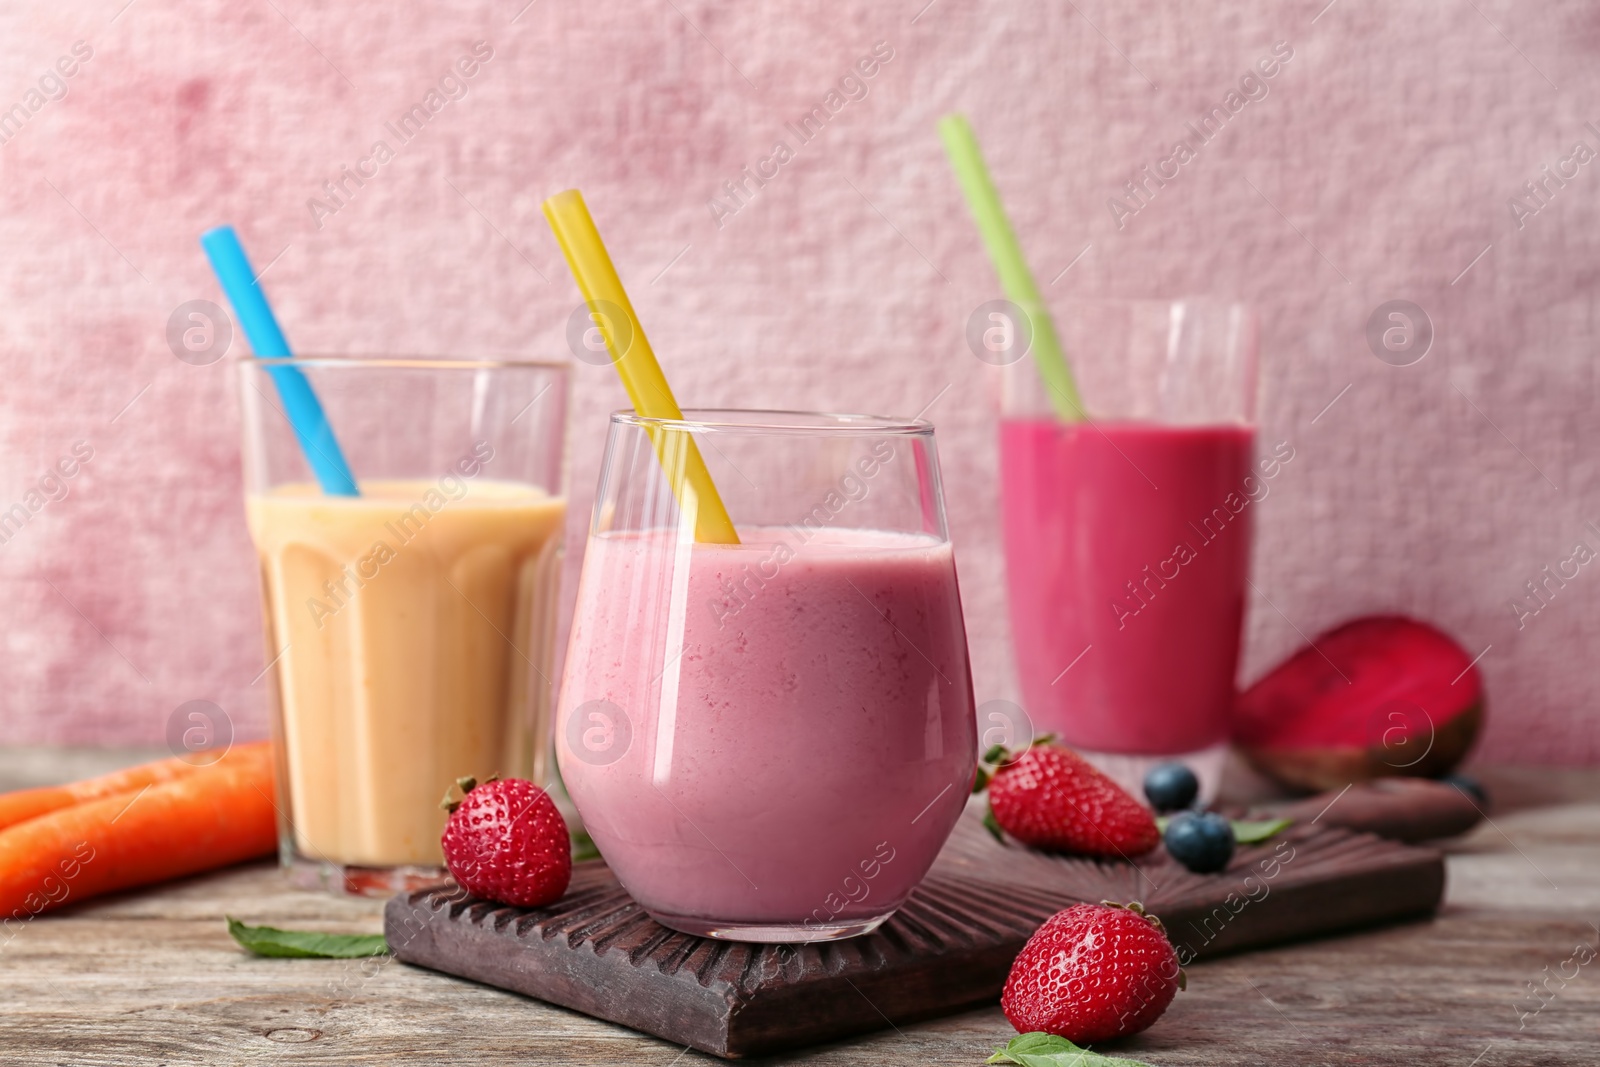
(641, 374)
(261, 330)
(966, 159)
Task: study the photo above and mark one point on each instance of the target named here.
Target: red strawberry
(1051, 797)
(505, 841)
(1093, 972)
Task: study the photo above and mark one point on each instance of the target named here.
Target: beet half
(1376, 697)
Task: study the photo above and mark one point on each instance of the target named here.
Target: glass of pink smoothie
(770, 740)
(1127, 535)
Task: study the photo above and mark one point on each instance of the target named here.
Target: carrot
(210, 818)
(24, 804)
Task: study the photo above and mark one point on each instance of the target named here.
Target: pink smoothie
(798, 716)
(1130, 541)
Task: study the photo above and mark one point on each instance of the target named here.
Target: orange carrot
(24, 804)
(213, 817)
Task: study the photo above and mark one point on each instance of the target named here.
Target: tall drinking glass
(410, 629)
(770, 740)
(1127, 535)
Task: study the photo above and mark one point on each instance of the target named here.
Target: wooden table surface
(153, 978)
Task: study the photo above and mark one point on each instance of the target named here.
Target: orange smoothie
(413, 628)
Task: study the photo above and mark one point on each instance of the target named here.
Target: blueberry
(1468, 785)
(1170, 787)
(1200, 840)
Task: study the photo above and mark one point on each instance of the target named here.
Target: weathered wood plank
(596, 951)
(153, 978)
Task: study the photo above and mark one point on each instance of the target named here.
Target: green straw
(966, 159)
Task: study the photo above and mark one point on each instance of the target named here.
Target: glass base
(353, 880)
(770, 933)
(1129, 771)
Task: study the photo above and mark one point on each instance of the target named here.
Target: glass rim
(778, 421)
(402, 363)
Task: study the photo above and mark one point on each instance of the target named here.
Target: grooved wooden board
(948, 948)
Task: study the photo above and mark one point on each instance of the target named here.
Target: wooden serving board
(949, 948)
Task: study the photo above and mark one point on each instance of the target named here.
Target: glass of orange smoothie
(410, 629)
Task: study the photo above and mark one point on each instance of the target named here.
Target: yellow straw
(636, 363)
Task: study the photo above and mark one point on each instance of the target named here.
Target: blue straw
(261, 329)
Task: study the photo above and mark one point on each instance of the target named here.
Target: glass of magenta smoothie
(770, 740)
(1127, 534)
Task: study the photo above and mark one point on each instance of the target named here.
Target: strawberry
(505, 841)
(1051, 797)
(1093, 972)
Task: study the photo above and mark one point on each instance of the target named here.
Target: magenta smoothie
(1127, 550)
(776, 732)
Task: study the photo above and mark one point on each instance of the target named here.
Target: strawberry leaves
(991, 824)
(466, 785)
(987, 763)
(997, 756)
(1039, 1049)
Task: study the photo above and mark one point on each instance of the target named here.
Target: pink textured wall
(1378, 165)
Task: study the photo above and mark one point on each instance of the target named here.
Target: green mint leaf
(981, 783)
(269, 941)
(1027, 1044)
(991, 824)
(1048, 1050)
(1245, 831)
(995, 754)
(583, 847)
(1253, 833)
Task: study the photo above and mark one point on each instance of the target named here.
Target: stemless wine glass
(1127, 533)
(769, 740)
